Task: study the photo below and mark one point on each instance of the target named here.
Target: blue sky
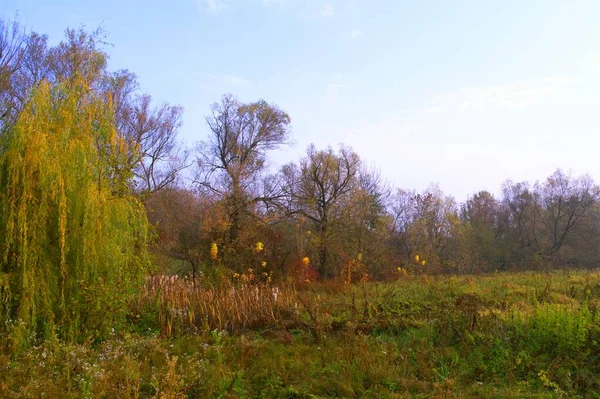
(460, 93)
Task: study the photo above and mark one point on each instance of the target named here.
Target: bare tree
(318, 189)
(12, 41)
(153, 133)
(34, 68)
(401, 209)
(565, 201)
(79, 56)
(521, 205)
(120, 87)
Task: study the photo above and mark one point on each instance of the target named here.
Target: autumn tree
(486, 219)
(433, 232)
(73, 247)
(428, 225)
(521, 206)
(565, 201)
(232, 163)
(187, 223)
(342, 202)
(547, 219)
(364, 229)
(401, 208)
(156, 156)
(77, 141)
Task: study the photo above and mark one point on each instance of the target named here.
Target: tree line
(91, 179)
(330, 207)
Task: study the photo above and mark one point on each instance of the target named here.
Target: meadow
(502, 335)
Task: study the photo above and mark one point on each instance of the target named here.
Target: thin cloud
(511, 95)
(233, 80)
(469, 102)
(336, 89)
(356, 34)
(217, 83)
(302, 8)
(274, 2)
(327, 10)
(212, 7)
(333, 93)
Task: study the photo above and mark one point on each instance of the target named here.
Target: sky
(461, 93)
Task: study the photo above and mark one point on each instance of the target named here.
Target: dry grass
(185, 307)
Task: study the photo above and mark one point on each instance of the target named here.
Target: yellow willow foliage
(72, 240)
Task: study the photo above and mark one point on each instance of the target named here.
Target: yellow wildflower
(305, 261)
(417, 258)
(359, 256)
(263, 263)
(423, 262)
(214, 251)
(236, 275)
(259, 246)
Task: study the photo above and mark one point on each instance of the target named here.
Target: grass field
(520, 335)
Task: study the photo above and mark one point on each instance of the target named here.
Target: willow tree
(72, 238)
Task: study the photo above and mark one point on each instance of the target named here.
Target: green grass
(520, 335)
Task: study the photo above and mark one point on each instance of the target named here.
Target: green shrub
(553, 329)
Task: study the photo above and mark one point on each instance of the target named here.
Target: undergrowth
(503, 335)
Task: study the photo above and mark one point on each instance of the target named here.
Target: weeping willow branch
(72, 240)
